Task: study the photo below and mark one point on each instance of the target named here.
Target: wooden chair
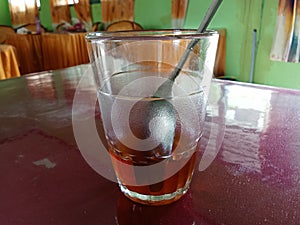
(60, 28)
(32, 27)
(98, 26)
(124, 25)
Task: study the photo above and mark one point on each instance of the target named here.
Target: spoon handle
(207, 18)
(165, 89)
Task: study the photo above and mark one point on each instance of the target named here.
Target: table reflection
(130, 213)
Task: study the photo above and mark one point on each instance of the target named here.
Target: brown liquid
(169, 185)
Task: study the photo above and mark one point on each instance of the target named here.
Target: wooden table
(255, 178)
(9, 66)
(63, 50)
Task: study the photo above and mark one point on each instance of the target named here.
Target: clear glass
(152, 137)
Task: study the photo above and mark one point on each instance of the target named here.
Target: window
(22, 6)
(66, 2)
(23, 11)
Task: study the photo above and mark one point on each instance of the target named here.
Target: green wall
(96, 12)
(239, 17)
(4, 13)
(45, 14)
(153, 14)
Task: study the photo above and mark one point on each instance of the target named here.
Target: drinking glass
(152, 138)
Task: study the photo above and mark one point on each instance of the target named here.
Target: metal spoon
(162, 109)
(165, 89)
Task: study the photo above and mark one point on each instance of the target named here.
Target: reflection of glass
(214, 126)
(130, 213)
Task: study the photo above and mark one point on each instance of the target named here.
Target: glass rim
(159, 34)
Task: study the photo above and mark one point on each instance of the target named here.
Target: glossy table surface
(253, 130)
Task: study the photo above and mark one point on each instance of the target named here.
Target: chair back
(97, 26)
(31, 27)
(123, 26)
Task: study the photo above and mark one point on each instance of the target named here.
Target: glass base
(155, 200)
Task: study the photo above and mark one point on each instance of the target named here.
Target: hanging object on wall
(286, 43)
(179, 8)
(22, 11)
(117, 10)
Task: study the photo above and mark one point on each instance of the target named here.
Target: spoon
(163, 110)
(165, 89)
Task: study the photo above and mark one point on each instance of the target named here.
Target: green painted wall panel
(153, 14)
(96, 13)
(45, 14)
(4, 13)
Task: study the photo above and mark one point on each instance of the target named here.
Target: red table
(255, 178)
